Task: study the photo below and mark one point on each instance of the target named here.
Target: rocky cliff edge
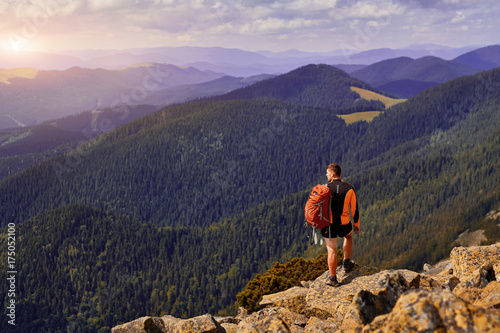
(461, 294)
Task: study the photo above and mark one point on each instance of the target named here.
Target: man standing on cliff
(343, 205)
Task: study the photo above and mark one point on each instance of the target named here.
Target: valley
(175, 207)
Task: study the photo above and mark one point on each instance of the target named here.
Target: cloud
(305, 6)
(458, 18)
(446, 5)
(370, 9)
(97, 5)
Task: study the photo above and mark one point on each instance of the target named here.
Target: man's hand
(356, 229)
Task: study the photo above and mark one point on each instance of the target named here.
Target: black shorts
(336, 230)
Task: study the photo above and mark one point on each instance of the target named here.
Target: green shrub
(282, 277)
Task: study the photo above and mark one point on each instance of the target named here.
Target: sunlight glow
(16, 42)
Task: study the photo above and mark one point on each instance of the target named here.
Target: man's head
(333, 171)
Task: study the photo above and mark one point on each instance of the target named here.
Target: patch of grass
(373, 96)
(359, 116)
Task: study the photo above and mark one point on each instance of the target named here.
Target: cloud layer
(317, 25)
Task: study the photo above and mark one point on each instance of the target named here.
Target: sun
(17, 43)
(16, 47)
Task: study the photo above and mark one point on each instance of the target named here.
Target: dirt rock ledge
(461, 294)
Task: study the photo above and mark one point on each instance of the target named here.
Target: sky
(253, 25)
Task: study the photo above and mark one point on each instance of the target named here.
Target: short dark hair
(335, 168)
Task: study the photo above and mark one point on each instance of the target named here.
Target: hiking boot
(348, 264)
(332, 281)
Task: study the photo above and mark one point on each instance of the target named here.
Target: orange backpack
(317, 208)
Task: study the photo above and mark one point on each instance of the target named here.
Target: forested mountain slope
(29, 145)
(85, 269)
(21, 148)
(194, 163)
(311, 85)
(188, 163)
(231, 178)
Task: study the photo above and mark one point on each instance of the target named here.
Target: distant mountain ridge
(35, 101)
(234, 62)
(35, 96)
(416, 74)
(484, 58)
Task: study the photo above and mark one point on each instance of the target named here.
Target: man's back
(343, 196)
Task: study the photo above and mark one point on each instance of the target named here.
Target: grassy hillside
(359, 116)
(373, 96)
(369, 115)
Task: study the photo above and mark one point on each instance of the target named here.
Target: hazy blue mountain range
(233, 62)
(406, 88)
(31, 96)
(413, 51)
(148, 76)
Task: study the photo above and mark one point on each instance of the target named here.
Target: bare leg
(348, 245)
(331, 247)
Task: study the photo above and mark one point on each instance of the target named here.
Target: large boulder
(326, 302)
(200, 324)
(435, 311)
(293, 299)
(143, 324)
(169, 324)
(481, 288)
(272, 320)
(319, 325)
(363, 310)
(466, 260)
(367, 305)
(269, 324)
